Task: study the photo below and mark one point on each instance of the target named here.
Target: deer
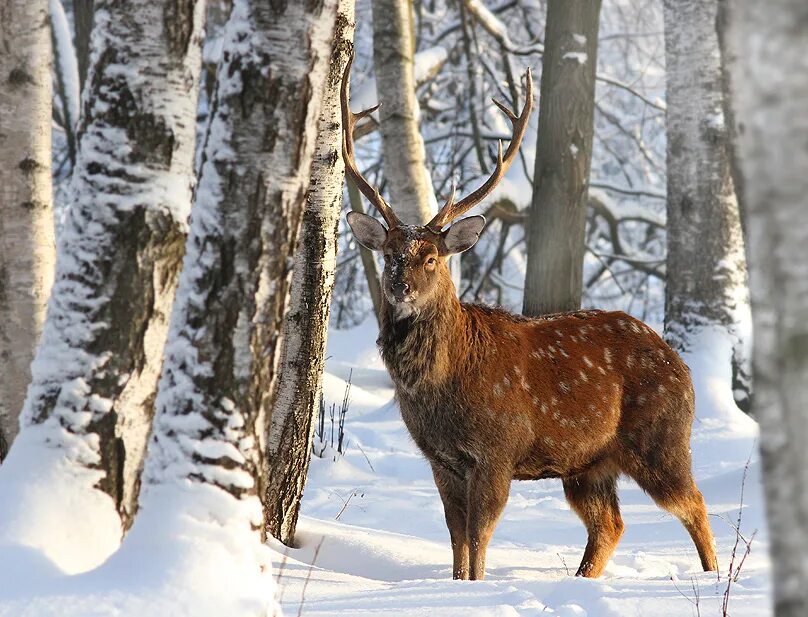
(490, 397)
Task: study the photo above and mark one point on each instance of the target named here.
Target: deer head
(415, 256)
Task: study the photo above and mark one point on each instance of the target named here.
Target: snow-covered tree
(89, 407)
(403, 148)
(26, 212)
(207, 457)
(769, 78)
(306, 323)
(706, 292)
(557, 218)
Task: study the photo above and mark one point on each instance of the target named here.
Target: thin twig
(308, 577)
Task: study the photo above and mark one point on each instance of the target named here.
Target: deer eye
(431, 261)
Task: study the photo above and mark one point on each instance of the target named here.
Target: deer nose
(400, 290)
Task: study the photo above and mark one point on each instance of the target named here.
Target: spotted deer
(490, 397)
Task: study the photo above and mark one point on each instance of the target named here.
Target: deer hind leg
(593, 497)
(675, 491)
(487, 495)
(452, 491)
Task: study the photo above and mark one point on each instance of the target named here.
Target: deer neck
(421, 349)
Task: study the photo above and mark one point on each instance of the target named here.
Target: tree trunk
(706, 291)
(220, 377)
(769, 79)
(26, 213)
(83, 24)
(402, 147)
(557, 217)
(95, 373)
(306, 324)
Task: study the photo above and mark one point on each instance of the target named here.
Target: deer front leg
(487, 495)
(452, 491)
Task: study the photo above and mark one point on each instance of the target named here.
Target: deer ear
(463, 234)
(369, 232)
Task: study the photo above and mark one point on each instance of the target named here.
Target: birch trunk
(706, 290)
(94, 378)
(306, 324)
(402, 146)
(557, 218)
(769, 78)
(219, 380)
(26, 213)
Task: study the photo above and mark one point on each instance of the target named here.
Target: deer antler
(452, 210)
(349, 120)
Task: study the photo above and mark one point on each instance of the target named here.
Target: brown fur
(490, 397)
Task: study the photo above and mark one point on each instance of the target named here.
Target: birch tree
(90, 403)
(557, 217)
(706, 291)
(220, 377)
(26, 213)
(769, 79)
(306, 323)
(402, 146)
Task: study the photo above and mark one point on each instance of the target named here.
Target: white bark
(220, 372)
(411, 193)
(306, 324)
(769, 78)
(26, 212)
(94, 378)
(706, 267)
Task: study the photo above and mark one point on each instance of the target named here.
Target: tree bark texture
(403, 151)
(557, 217)
(219, 381)
(769, 78)
(706, 266)
(302, 354)
(119, 256)
(27, 251)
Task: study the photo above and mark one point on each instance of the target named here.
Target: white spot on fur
(553, 401)
(630, 360)
(548, 440)
(525, 385)
(584, 378)
(497, 390)
(517, 370)
(543, 407)
(602, 370)
(555, 415)
(506, 382)
(564, 387)
(607, 355)
(588, 362)
(641, 399)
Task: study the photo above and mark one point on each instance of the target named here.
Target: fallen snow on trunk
(388, 553)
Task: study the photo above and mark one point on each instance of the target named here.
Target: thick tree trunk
(769, 79)
(26, 213)
(706, 291)
(95, 374)
(219, 382)
(557, 217)
(402, 146)
(306, 324)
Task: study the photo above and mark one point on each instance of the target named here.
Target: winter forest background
(187, 326)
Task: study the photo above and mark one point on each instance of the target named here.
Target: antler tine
(349, 120)
(452, 210)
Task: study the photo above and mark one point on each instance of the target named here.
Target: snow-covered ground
(373, 540)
